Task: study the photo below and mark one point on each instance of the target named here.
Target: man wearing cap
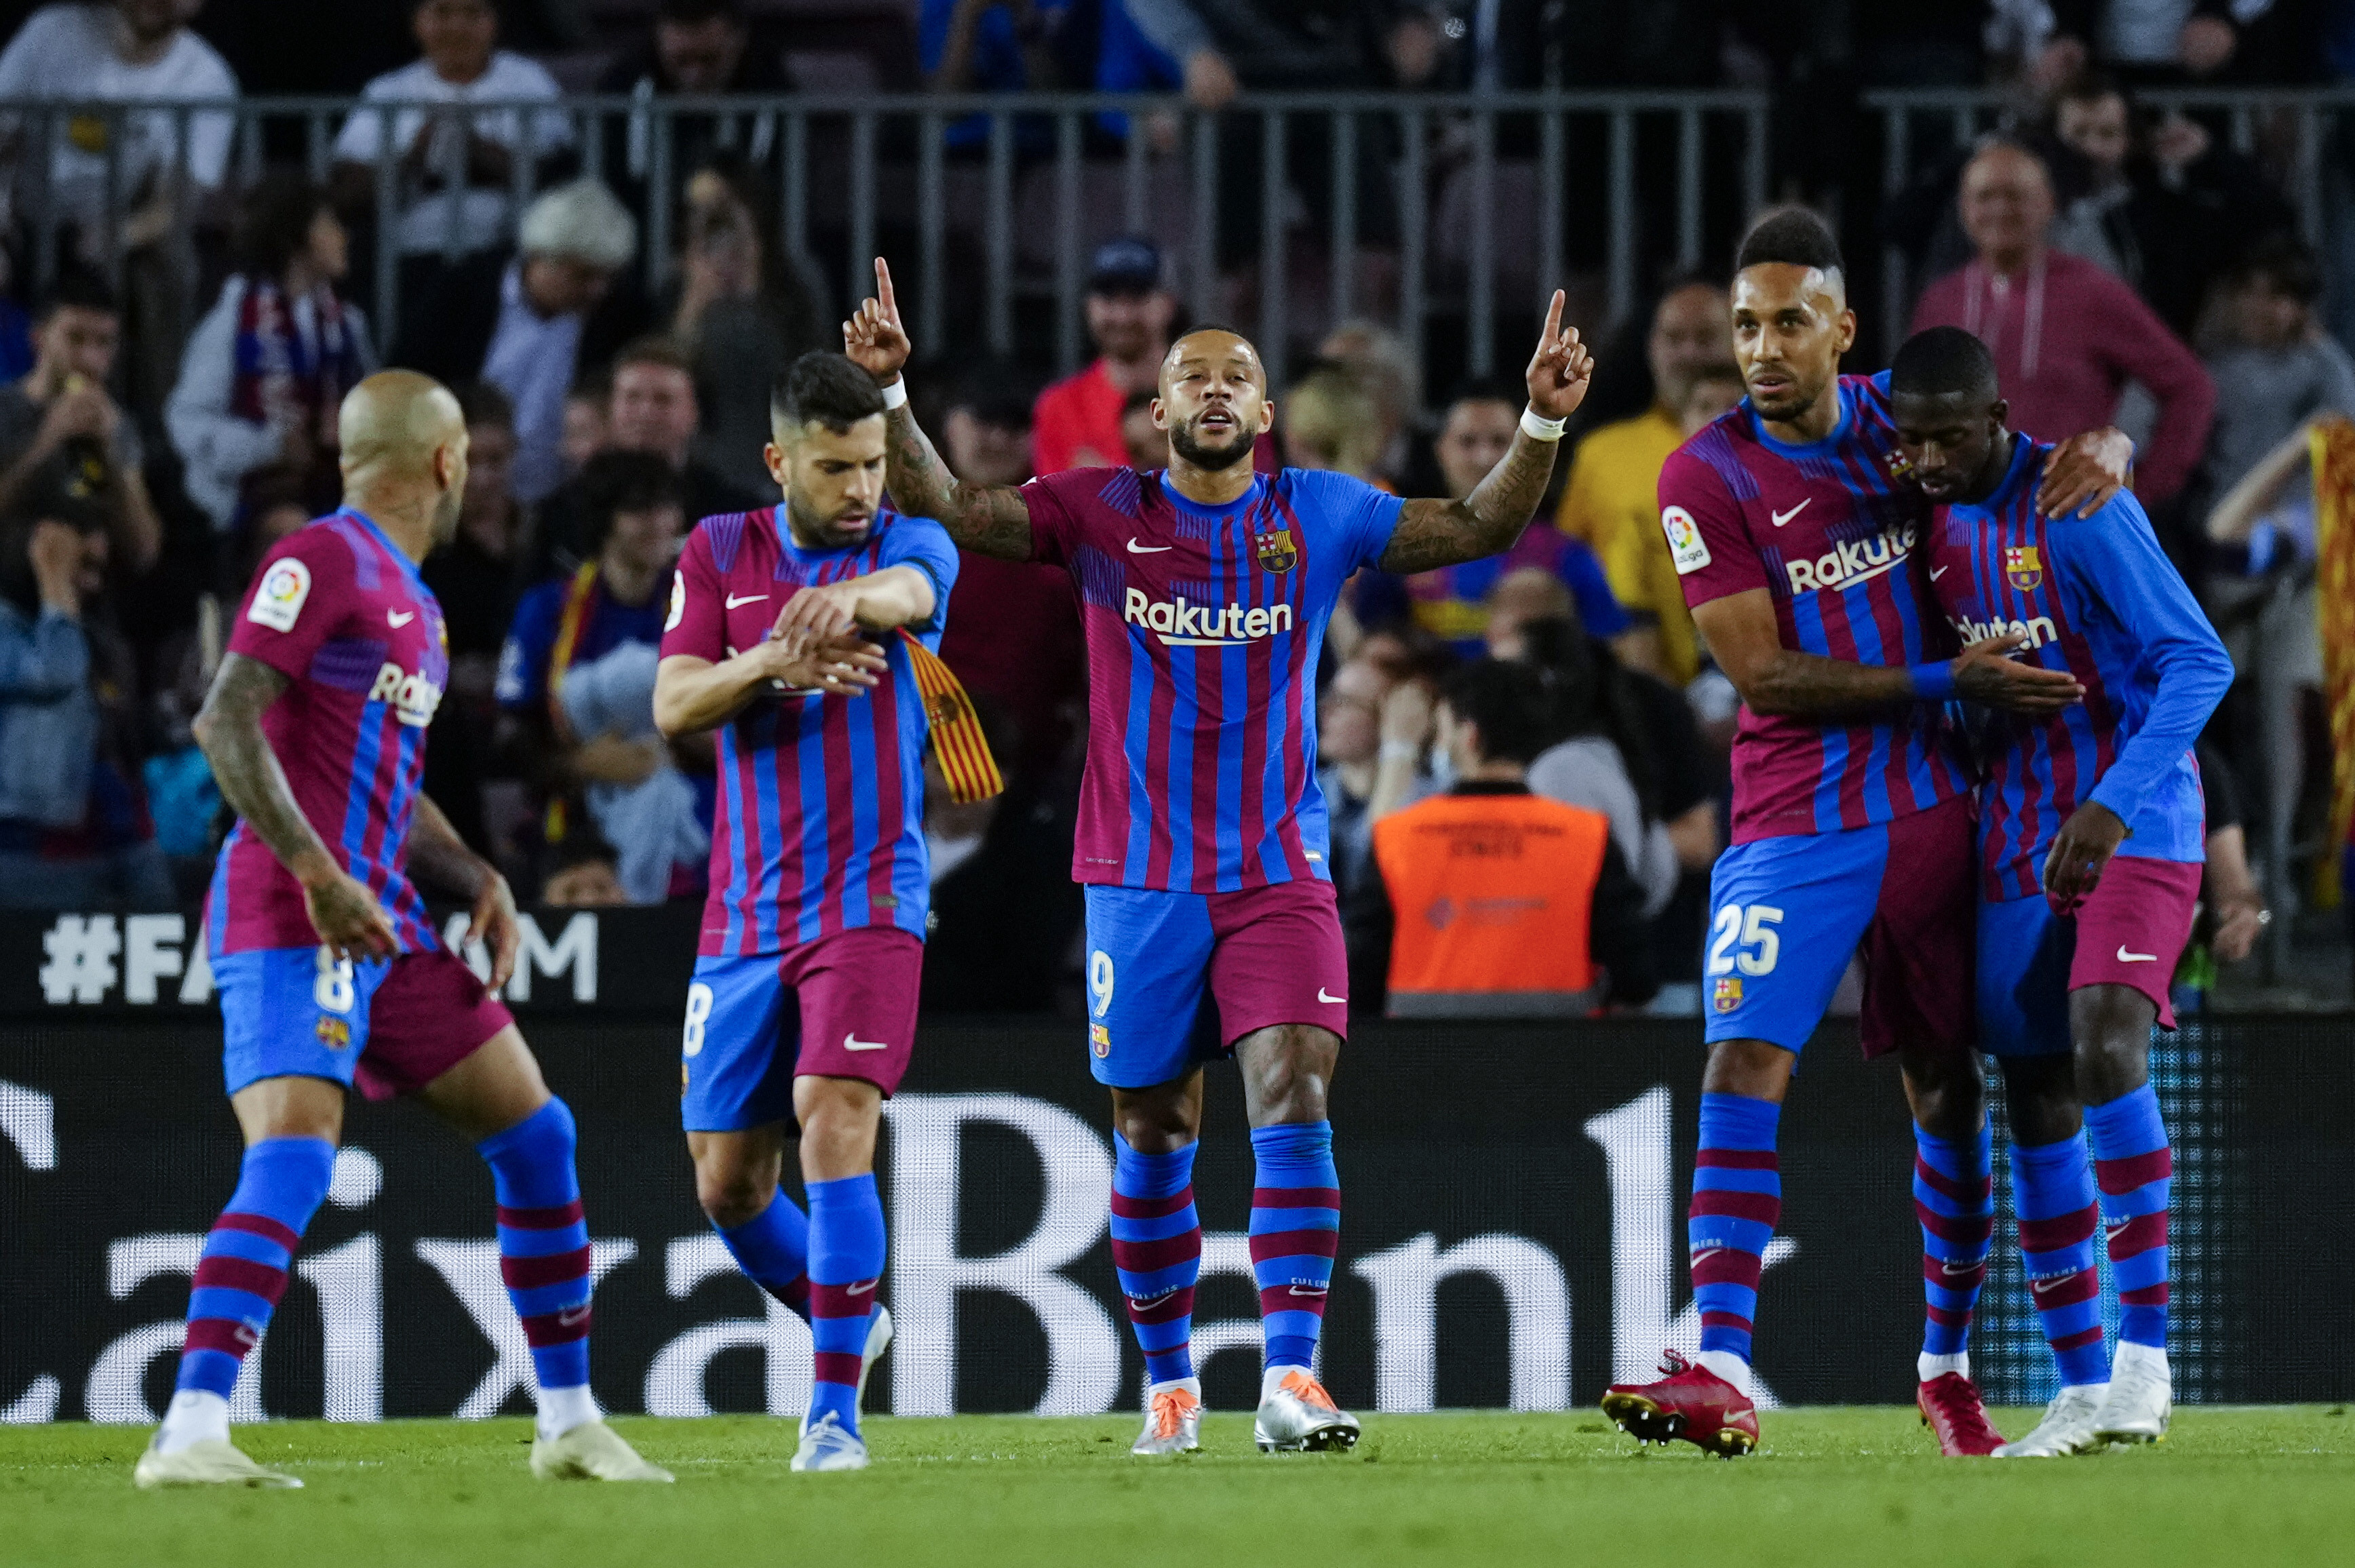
(1077, 424)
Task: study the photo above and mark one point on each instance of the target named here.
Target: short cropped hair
(79, 288)
(1485, 389)
(1791, 237)
(486, 403)
(1941, 362)
(580, 221)
(1508, 702)
(616, 482)
(654, 348)
(823, 387)
(2285, 263)
(688, 13)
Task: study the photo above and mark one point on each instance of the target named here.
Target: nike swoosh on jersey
(1938, 572)
(1330, 1000)
(852, 1042)
(1782, 518)
(1136, 549)
(2126, 957)
(399, 618)
(747, 599)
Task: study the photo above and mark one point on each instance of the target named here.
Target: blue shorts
(389, 1026)
(1788, 914)
(2129, 930)
(842, 1006)
(1175, 979)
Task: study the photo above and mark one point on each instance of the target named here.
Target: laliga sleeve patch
(280, 598)
(677, 602)
(1685, 547)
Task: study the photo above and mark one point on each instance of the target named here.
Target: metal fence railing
(1000, 196)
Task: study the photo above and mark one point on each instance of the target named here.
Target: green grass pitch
(1850, 1486)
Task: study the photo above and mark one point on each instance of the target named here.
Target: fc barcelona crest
(1277, 553)
(1728, 994)
(2023, 566)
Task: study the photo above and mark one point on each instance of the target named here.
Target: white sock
(2130, 1354)
(1930, 1367)
(1727, 1365)
(562, 1409)
(1271, 1378)
(192, 1416)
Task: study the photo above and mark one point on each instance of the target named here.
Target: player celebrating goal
(819, 886)
(1795, 537)
(1205, 590)
(330, 972)
(2091, 829)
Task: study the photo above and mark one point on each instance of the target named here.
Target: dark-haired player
(1795, 537)
(1205, 590)
(2091, 841)
(804, 1001)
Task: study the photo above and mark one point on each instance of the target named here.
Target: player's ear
(1266, 415)
(1999, 412)
(1847, 329)
(780, 467)
(1160, 415)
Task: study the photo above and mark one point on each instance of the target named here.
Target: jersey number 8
(698, 1013)
(1749, 928)
(332, 989)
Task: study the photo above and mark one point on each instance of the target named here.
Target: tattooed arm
(436, 848)
(344, 911)
(1445, 533)
(986, 519)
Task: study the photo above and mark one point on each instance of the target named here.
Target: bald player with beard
(331, 973)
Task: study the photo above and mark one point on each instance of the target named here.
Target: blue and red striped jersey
(2098, 597)
(338, 610)
(819, 825)
(1203, 626)
(1829, 532)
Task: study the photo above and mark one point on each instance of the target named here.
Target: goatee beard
(1214, 460)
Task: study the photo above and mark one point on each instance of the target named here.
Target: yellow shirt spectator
(1613, 503)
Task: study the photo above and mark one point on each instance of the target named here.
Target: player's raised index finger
(1553, 316)
(889, 301)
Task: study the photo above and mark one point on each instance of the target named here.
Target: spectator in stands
(1146, 444)
(535, 322)
(267, 368)
(1543, 922)
(129, 51)
(1612, 501)
(1077, 424)
(1449, 604)
(474, 576)
(67, 450)
(996, 46)
(1348, 750)
(630, 508)
(701, 48)
(582, 875)
(2234, 913)
(455, 164)
(1332, 422)
(2151, 40)
(2167, 205)
(1385, 368)
(2276, 367)
(2067, 337)
(1014, 627)
(585, 435)
(651, 409)
(740, 311)
(74, 828)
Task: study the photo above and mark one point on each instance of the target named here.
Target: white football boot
(1296, 1414)
(2067, 1427)
(592, 1451)
(213, 1462)
(879, 1339)
(827, 1446)
(1173, 1423)
(2141, 1399)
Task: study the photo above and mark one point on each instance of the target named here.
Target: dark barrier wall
(1512, 1232)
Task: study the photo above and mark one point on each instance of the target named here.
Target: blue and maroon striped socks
(2136, 1169)
(846, 1262)
(1156, 1252)
(773, 1249)
(1737, 1200)
(239, 1277)
(544, 1257)
(2053, 1194)
(1953, 1198)
(1296, 1229)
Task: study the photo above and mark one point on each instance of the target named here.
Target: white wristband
(1536, 427)
(895, 393)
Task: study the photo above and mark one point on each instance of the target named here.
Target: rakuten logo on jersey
(1186, 625)
(413, 698)
(1859, 561)
(2038, 632)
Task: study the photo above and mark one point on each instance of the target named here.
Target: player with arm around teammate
(1205, 590)
(1796, 537)
(2090, 843)
(329, 971)
(798, 634)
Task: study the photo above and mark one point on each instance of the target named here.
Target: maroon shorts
(428, 1015)
(2132, 927)
(839, 1006)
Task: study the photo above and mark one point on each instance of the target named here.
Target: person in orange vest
(1491, 903)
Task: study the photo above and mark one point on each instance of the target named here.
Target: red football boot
(1689, 1402)
(1950, 1408)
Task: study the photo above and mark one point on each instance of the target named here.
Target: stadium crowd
(2123, 265)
